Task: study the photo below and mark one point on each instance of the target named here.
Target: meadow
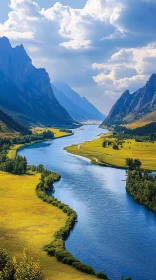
(28, 222)
(145, 151)
(56, 131)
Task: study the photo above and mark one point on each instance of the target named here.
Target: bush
(84, 268)
(115, 146)
(101, 275)
(26, 269)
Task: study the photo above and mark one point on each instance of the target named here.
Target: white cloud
(126, 69)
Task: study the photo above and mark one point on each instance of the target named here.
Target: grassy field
(93, 150)
(56, 131)
(136, 124)
(27, 222)
(13, 150)
(57, 134)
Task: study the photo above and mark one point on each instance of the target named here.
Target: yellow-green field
(93, 150)
(56, 131)
(13, 150)
(37, 130)
(28, 222)
(136, 124)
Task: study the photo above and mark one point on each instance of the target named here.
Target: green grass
(28, 222)
(93, 150)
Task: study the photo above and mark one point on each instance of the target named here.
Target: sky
(99, 47)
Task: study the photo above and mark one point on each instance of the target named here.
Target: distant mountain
(78, 107)
(25, 91)
(137, 106)
(9, 126)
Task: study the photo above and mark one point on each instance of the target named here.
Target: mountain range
(141, 105)
(78, 107)
(25, 91)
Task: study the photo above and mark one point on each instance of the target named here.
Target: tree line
(144, 133)
(142, 186)
(18, 165)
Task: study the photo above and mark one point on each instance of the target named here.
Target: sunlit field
(28, 222)
(145, 151)
(57, 132)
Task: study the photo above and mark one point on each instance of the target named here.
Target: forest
(142, 186)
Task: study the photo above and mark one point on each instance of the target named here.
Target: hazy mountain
(136, 106)
(25, 91)
(78, 107)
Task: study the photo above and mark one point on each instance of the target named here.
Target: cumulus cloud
(126, 69)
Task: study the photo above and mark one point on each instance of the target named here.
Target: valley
(87, 222)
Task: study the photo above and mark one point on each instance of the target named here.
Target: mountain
(78, 107)
(9, 126)
(133, 107)
(25, 91)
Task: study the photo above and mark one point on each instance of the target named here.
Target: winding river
(114, 233)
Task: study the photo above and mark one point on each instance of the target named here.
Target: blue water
(114, 233)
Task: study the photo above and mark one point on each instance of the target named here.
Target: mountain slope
(133, 107)
(26, 91)
(78, 107)
(8, 125)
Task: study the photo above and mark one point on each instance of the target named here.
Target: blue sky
(99, 47)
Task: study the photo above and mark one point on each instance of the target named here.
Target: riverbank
(57, 134)
(107, 156)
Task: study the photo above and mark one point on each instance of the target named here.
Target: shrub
(101, 275)
(26, 269)
(115, 146)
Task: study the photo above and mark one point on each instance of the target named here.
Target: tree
(48, 134)
(137, 163)
(129, 163)
(40, 168)
(104, 144)
(115, 146)
(133, 164)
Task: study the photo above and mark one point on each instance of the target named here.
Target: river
(114, 233)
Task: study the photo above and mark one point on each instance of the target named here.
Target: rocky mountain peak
(5, 43)
(28, 88)
(130, 107)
